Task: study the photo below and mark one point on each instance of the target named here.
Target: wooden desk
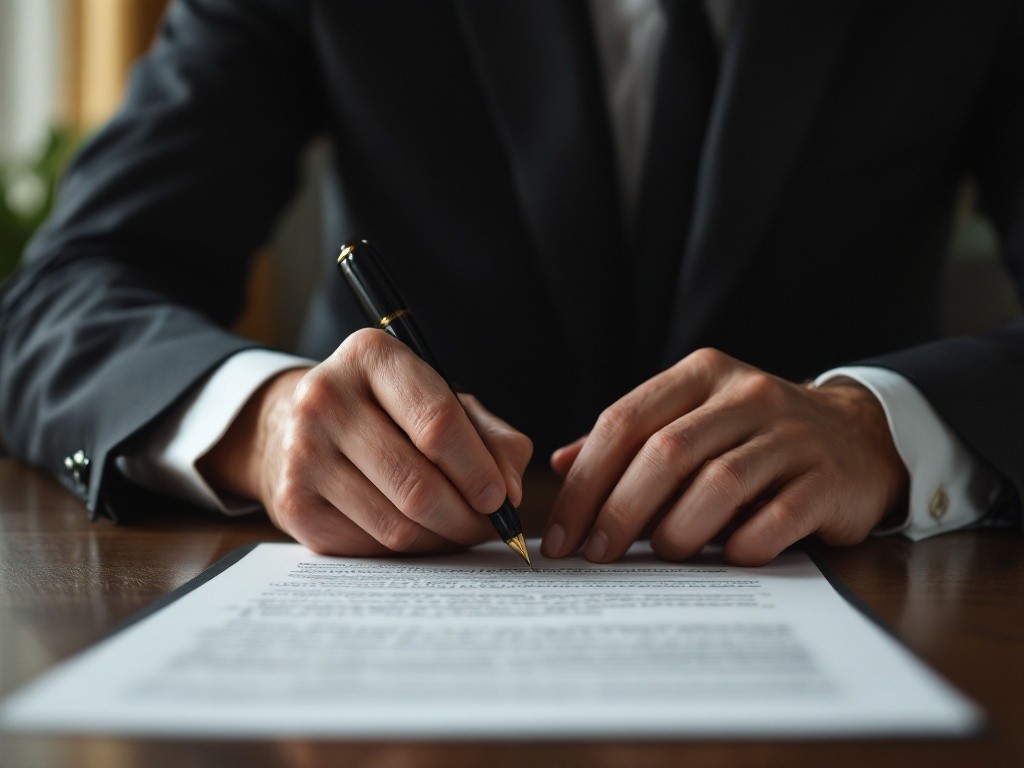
(957, 601)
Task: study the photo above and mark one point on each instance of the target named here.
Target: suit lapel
(539, 72)
(775, 72)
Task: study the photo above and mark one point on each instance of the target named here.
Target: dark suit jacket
(471, 144)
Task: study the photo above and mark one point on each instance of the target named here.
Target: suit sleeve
(123, 298)
(977, 383)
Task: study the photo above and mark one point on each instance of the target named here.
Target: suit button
(77, 465)
(939, 505)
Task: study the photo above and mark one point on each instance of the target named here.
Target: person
(696, 247)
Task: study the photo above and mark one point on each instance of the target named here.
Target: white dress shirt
(949, 487)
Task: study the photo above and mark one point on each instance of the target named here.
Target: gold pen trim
(346, 251)
(389, 319)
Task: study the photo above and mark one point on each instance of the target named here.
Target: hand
(371, 453)
(713, 446)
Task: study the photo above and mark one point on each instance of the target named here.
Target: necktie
(660, 223)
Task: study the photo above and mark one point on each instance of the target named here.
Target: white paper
(285, 642)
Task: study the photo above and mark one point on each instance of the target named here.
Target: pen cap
(382, 302)
(363, 268)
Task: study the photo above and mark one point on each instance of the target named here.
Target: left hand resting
(713, 446)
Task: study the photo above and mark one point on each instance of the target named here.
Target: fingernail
(554, 540)
(492, 497)
(597, 546)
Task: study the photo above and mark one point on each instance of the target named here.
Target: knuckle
(725, 479)
(517, 447)
(522, 445)
(762, 387)
(615, 519)
(416, 497)
(364, 345)
(668, 448)
(707, 357)
(287, 505)
(478, 484)
(435, 425)
(574, 489)
(785, 516)
(312, 395)
(397, 534)
(300, 452)
(617, 420)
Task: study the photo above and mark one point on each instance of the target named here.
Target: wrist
(867, 416)
(238, 462)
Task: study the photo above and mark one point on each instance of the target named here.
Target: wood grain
(956, 601)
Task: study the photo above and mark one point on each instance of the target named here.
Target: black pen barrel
(377, 291)
(371, 281)
(506, 521)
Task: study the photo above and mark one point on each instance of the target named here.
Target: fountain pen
(377, 292)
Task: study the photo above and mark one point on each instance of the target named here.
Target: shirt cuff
(166, 460)
(949, 487)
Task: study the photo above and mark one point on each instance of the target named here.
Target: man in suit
(641, 223)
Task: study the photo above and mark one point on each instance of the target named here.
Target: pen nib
(518, 543)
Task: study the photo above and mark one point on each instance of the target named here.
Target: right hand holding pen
(371, 453)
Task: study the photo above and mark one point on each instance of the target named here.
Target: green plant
(27, 190)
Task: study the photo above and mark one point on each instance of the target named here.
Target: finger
(722, 487)
(317, 525)
(562, 459)
(660, 469)
(792, 514)
(359, 500)
(618, 434)
(510, 448)
(423, 406)
(386, 457)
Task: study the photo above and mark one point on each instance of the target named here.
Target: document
(477, 646)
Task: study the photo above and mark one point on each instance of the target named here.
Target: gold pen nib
(518, 543)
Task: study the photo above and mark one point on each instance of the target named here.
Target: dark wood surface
(957, 601)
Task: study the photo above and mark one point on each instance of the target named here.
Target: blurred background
(63, 66)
